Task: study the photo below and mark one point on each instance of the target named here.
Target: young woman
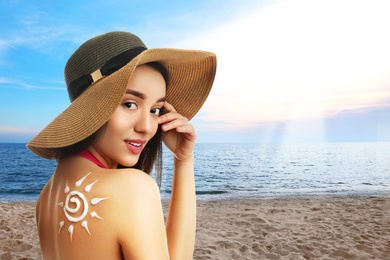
(101, 202)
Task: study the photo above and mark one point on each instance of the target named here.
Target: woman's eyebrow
(161, 100)
(135, 93)
(142, 95)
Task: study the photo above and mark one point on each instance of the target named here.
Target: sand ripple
(18, 234)
(317, 228)
(293, 229)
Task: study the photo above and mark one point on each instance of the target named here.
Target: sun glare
(298, 60)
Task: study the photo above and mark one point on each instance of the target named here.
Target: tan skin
(132, 224)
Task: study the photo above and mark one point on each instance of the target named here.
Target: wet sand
(285, 228)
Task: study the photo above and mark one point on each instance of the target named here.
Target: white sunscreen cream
(70, 230)
(62, 223)
(76, 206)
(95, 215)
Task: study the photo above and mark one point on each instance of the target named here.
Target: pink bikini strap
(87, 155)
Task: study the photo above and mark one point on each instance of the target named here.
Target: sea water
(231, 171)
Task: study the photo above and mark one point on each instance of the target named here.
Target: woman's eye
(130, 105)
(156, 111)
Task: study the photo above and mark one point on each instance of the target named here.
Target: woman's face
(135, 121)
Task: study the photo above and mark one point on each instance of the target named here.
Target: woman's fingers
(172, 119)
(168, 107)
(178, 134)
(186, 129)
(175, 123)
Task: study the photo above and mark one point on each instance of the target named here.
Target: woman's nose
(144, 123)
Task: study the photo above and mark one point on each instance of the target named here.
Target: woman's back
(87, 212)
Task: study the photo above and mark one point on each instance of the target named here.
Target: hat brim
(191, 75)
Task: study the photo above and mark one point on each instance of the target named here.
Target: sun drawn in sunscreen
(78, 210)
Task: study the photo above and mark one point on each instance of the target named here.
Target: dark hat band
(77, 86)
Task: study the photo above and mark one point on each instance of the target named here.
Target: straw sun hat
(96, 77)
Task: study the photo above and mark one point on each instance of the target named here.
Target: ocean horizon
(237, 171)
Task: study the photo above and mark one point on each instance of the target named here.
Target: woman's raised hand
(178, 134)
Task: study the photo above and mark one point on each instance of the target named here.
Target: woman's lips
(135, 146)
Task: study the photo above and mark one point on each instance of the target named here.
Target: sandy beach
(285, 228)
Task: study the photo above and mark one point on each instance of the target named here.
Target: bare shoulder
(125, 183)
(129, 190)
(136, 214)
(115, 193)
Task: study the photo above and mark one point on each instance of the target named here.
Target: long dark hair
(151, 156)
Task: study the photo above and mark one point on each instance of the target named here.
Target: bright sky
(288, 70)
